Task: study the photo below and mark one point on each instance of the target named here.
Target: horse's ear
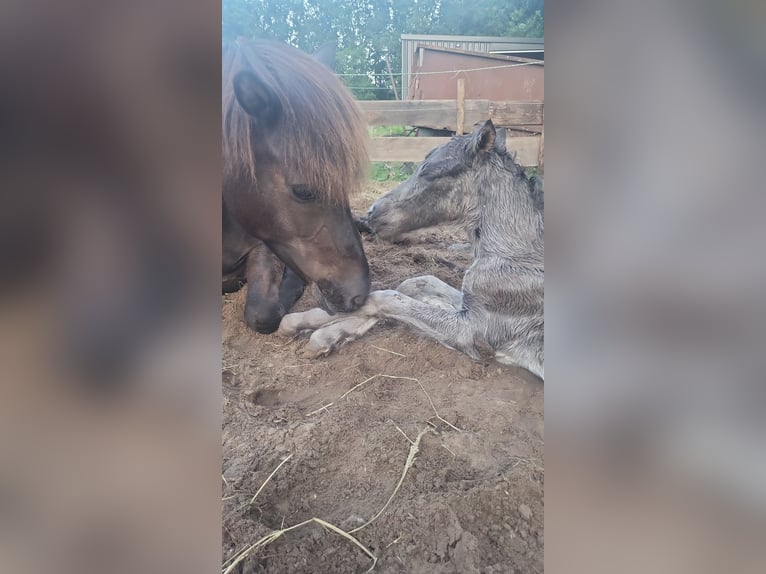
(256, 98)
(326, 54)
(483, 137)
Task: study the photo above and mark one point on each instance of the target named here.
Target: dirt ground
(472, 502)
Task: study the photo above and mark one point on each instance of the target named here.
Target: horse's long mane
(321, 135)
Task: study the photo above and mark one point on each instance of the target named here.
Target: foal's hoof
(325, 340)
(317, 349)
(321, 343)
(294, 323)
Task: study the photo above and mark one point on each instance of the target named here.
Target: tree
(368, 32)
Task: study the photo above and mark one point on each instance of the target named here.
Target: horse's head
(295, 199)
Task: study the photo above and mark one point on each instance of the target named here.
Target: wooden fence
(457, 116)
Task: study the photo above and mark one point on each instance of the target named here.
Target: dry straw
(230, 564)
(381, 375)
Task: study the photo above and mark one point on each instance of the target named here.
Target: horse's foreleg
(291, 289)
(263, 310)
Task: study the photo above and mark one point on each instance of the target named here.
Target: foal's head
(445, 186)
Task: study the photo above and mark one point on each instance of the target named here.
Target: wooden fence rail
(445, 115)
(415, 149)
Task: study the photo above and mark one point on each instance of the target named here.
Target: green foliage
(527, 19)
(515, 18)
(381, 171)
(530, 171)
(368, 32)
(392, 131)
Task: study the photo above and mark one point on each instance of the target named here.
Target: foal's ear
(256, 98)
(483, 137)
(500, 140)
(326, 55)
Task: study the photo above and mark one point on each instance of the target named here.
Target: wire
(445, 71)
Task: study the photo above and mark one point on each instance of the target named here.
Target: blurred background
(110, 263)
(655, 324)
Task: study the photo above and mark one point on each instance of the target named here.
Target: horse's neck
(507, 221)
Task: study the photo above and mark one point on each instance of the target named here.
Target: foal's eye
(303, 193)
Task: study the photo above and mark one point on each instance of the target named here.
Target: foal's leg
(427, 289)
(433, 291)
(331, 336)
(331, 331)
(449, 327)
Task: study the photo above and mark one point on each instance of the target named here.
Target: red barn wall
(524, 82)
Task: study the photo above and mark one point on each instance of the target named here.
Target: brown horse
(294, 149)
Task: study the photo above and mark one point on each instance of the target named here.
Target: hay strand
(395, 377)
(414, 448)
(236, 558)
(268, 478)
(274, 535)
(388, 351)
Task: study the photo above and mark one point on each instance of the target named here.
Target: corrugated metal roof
(504, 56)
(489, 39)
(468, 43)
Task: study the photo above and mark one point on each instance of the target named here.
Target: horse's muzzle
(336, 299)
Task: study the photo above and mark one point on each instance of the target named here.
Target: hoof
(294, 323)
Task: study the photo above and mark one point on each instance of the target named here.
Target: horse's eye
(303, 193)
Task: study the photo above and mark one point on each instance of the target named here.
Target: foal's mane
(321, 136)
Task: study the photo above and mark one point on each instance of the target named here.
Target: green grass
(393, 171)
(530, 171)
(391, 131)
